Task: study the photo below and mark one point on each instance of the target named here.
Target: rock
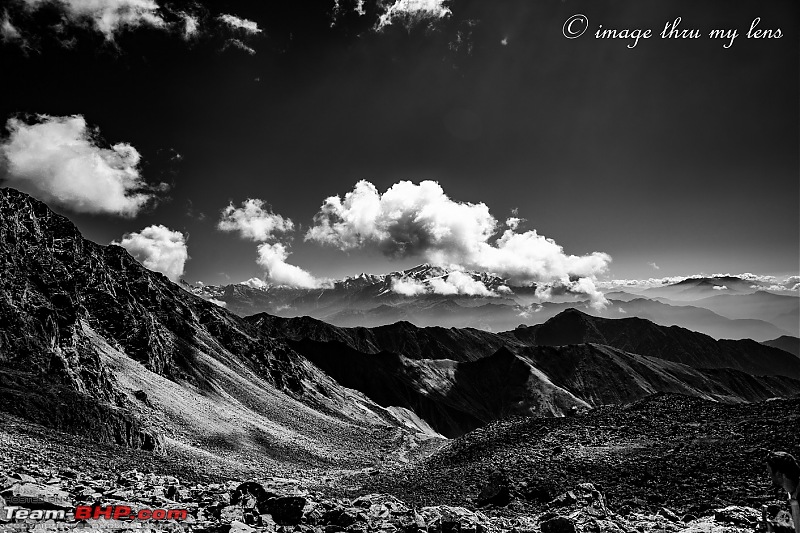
(252, 495)
(562, 500)
(25, 478)
(559, 524)
(669, 515)
(742, 516)
(446, 519)
(239, 527)
(35, 496)
(231, 513)
(286, 510)
(495, 492)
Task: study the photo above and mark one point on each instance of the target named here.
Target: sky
(151, 126)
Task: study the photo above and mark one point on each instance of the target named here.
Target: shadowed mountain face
(92, 342)
(670, 343)
(458, 380)
(785, 343)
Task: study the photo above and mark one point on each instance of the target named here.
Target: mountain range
(94, 343)
(748, 312)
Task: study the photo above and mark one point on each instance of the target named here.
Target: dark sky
(678, 152)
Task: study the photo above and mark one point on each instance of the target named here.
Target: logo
(575, 26)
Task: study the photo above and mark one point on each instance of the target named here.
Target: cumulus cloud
(576, 286)
(421, 220)
(108, 16)
(411, 12)
(272, 257)
(460, 283)
(654, 266)
(220, 303)
(408, 286)
(720, 288)
(454, 283)
(191, 25)
(514, 222)
(247, 26)
(253, 221)
(60, 160)
(255, 283)
(158, 248)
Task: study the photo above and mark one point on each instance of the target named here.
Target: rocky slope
(92, 342)
(687, 454)
(665, 464)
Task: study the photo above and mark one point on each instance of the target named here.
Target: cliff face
(82, 326)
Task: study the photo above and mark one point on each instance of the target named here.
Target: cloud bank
(158, 248)
(410, 220)
(60, 160)
(454, 283)
(760, 281)
(255, 222)
(108, 16)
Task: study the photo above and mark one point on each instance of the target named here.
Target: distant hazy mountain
(696, 288)
(370, 301)
(781, 310)
(785, 343)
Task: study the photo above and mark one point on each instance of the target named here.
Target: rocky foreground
(284, 505)
(667, 463)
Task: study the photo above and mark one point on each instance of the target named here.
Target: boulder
(740, 516)
(35, 496)
(559, 524)
(286, 510)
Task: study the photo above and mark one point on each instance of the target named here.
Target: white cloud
(256, 223)
(253, 221)
(547, 291)
(761, 281)
(236, 43)
(218, 302)
(191, 25)
(514, 222)
(411, 12)
(255, 283)
(621, 310)
(158, 248)
(408, 286)
(108, 16)
(720, 288)
(8, 32)
(58, 160)
(460, 283)
(421, 220)
(654, 266)
(247, 26)
(272, 257)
